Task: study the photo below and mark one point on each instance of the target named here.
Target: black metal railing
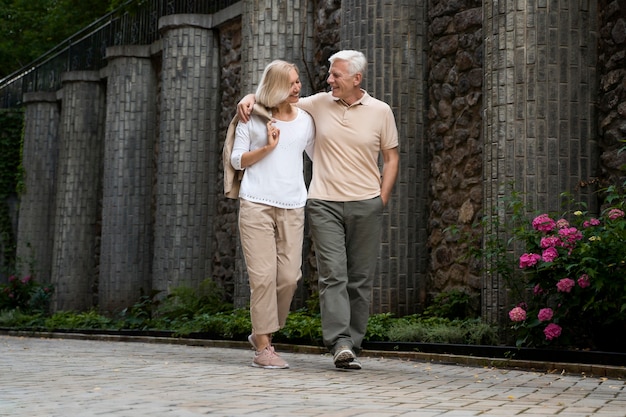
(130, 24)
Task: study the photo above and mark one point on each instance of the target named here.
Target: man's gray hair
(356, 60)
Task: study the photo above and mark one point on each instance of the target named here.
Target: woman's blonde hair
(275, 84)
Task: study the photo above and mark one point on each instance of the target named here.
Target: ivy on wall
(11, 134)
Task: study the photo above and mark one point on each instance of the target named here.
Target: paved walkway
(73, 377)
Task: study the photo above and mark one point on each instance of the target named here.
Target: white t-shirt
(278, 179)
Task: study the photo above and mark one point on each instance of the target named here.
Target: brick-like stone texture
(391, 35)
(540, 118)
(127, 236)
(78, 192)
(185, 190)
(274, 30)
(36, 211)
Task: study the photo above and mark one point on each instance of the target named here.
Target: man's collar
(364, 100)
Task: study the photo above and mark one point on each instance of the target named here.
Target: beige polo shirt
(348, 141)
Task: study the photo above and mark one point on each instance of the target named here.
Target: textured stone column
(36, 212)
(185, 193)
(276, 30)
(78, 192)
(126, 248)
(273, 30)
(392, 37)
(539, 124)
(612, 94)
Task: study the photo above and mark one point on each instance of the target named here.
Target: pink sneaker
(268, 359)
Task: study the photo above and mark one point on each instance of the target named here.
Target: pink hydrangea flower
(565, 285)
(550, 242)
(549, 255)
(562, 224)
(615, 214)
(517, 314)
(528, 259)
(543, 223)
(584, 281)
(591, 222)
(552, 331)
(571, 234)
(545, 314)
(537, 290)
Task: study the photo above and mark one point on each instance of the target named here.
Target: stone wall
(612, 99)
(226, 250)
(455, 83)
(483, 91)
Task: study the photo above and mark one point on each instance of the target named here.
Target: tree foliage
(29, 28)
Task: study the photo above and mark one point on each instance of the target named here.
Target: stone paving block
(73, 377)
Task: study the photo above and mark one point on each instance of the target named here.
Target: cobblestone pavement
(46, 377)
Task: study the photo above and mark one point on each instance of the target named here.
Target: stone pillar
(273, 30)
(455, 87)
(187, 149)
(126, 248)
(612, 94)
(276, 30)
(539, 114)
(78, 192)
(36, 212)
(392, 37)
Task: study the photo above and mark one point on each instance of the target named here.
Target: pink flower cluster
(543, 223)
(615, 214)
(549, 254)
(591, 222)
(552, 331)
(517, 314)
(567, 238)
(545, 314)
(565, 285)
(584, 281)
(528, 259)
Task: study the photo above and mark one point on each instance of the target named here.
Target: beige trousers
(271, 239)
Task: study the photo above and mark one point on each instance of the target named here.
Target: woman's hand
(273, 134)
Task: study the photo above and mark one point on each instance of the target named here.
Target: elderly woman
(272, 199)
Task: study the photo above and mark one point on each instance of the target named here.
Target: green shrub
(301, 326)
(573, 268)
(25, 294)
(441, 330)
(453, 304)
(68, 320)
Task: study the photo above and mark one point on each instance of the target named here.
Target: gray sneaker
(355, 364)
(343, 357)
